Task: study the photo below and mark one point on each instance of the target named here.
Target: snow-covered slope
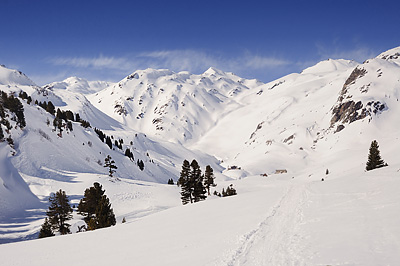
(349, 219)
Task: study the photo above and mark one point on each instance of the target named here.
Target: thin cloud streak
(247, 65)
(101, 62)
(176, 60)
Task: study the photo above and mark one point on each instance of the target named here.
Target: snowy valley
(295, 149)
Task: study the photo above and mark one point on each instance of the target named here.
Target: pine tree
(1, 134)
(374, 157)
(19, 112)
(186, 183)
(128, 153)
(108, 142)
(184, 173)
(59, 212)
(199, 191)
(88, 204)
(186, 192)
(58, 124)
(209, 178)
(69, 115)
(104, 215)
(230, 191)
(140, 163)
(45, 231)
(96, 208)
(110, 164)
(50, 108)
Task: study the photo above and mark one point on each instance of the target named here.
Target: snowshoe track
(276, 240)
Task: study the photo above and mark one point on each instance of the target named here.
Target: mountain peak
(214, 71)
(11, 76)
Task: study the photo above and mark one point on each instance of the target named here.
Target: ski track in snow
(276, 240)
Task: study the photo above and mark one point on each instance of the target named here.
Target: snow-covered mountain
(79, 85)
(300, 125)
(177, 107)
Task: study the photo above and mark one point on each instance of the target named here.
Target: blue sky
(107, 40)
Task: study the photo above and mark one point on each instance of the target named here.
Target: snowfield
(295, 149)
(276, 220)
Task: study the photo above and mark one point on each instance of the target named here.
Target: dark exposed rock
(339, 128)
(290, 138)
(348, 112)
(357, 73)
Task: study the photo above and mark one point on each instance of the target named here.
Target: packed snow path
(276, 240)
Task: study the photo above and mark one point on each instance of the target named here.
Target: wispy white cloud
(194, 61)
(261, 62)
(190, 60)
(178, 60)
(100, 62)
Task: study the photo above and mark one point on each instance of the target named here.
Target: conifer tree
(88, 204)
(96, 208)
(104, 215)
(209, 178)
(230, 191)
(69, 115)
(50, 108)
(186, 183)
(186, 192)
(1, 133)
(59, 212)
(19, 112)
(128, 152)
(184, 173)
(110, 164)
(199, 191)
(45, 230)
(108, 142)
(140, 163)
(374, 157)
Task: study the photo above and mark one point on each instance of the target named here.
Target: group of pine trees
(94, 206)
(15, 106)
(118, 143)
(194, 185)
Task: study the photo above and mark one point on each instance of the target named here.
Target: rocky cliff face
(365, 93)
